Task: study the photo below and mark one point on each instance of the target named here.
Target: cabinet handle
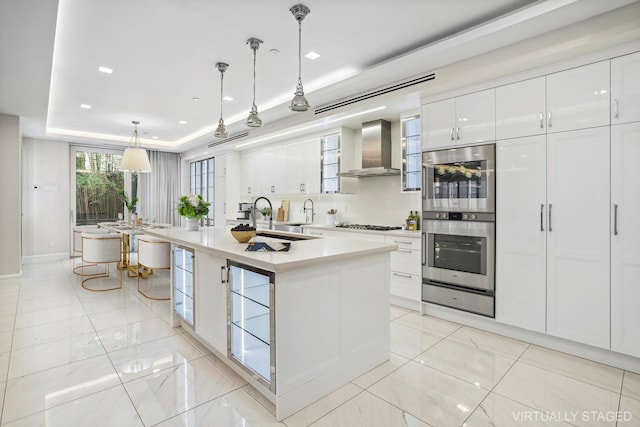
(615, 220)
(615, 108)
(224, 278)
(249, 190)
(315, 233)
(541, 120)
(452, 131)
(550, 229)
(549, 122)
(224, 208)
(424, 248)
(406, 276)
(424, 182)
(400, 242)
(407, 251)
(273, 188)
(541, 216)
(458, 133)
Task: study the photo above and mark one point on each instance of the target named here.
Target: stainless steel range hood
(376, 151)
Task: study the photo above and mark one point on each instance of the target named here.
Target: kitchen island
(296, 325)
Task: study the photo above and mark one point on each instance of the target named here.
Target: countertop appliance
(368, 227)
(244, 211)
(459, 179)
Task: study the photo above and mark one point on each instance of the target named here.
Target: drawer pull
(406, 276)
(401, 242)
(407, 251)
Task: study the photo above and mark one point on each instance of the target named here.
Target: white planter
(192, 224)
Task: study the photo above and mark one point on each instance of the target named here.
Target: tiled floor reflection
(69, 357)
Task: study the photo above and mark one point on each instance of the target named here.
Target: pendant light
(135, 158)
(253, 120)
(221, 130)
(299, 102)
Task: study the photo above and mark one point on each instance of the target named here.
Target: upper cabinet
(520, 109)
(578, 98)
(625, 89)
(411, 154)
(466, 119)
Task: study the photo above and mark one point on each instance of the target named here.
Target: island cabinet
(295, 325)
(211, 301)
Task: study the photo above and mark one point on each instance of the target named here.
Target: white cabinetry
(578, 98)
(211, 304)
(521, 237)
(406, 271)
(466, 119)
(251, 171)
(221, 165)
(520, 109)
(578, 236)
(625, 89)
(625, 234)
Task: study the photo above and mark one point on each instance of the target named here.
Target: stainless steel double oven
(458, 238)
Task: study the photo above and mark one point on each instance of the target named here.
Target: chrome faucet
(270, 216)
(305, 209)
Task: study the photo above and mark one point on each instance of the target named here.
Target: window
(201, 181)
(330, 164)
(97, 181)
(411, 154)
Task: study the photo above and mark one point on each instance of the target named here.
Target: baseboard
(601, 355)
(35, 259)
(405, 302)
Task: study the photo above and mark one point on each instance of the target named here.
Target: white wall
(10, 208)
(45, 195)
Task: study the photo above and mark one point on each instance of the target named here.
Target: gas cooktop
(368, 227)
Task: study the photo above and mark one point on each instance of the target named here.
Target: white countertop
(399, 233)
(302, 252)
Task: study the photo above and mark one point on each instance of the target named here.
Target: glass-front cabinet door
(183, 289)
(251, 321)
(411, 154)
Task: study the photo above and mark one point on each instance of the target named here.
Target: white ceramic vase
(192, 224)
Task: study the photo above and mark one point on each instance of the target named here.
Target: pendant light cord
(254, 77)
(300, 51)
(221, 86)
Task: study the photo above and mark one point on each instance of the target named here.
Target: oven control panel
(460, 216)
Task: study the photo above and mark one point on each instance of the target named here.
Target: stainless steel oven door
(460, 253)
(459, 179)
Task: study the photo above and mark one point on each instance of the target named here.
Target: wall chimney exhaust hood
(376, 151)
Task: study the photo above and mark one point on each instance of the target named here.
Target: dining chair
(77, 242)
(101, 248)
(153, 254)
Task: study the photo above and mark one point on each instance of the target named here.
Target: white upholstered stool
(153, 254)
(101, 248)
(77, 241)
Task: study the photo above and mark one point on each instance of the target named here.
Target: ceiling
(163, 52)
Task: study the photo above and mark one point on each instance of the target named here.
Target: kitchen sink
(289, 227)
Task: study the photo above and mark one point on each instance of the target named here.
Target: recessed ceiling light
(312, 55)
(105, 70)
(182, 122)
(195, 98)
(227, 98)
(155, 137)
(86, 106)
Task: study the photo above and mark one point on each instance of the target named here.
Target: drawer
(406, 261)
(413, 243)
(359, 236)
(454, 298)
(405, 286)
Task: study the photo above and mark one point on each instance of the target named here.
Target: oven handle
(541, 216)
(424, 182)
(424, 248)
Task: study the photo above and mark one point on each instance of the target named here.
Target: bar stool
(100, 248)
(153, 254)
(77, 242)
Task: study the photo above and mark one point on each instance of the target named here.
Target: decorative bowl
(243, 236)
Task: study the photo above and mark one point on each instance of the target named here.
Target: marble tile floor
(69, 357)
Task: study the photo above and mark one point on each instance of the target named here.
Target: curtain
(160, 189)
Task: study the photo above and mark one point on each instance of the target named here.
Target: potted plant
(129, 203)
(193, 207)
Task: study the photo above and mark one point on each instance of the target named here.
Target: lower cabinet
(406, 269)
(182, 283)
(251, 321)
(211, 304)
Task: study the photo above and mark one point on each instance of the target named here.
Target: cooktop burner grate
(369, 227)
